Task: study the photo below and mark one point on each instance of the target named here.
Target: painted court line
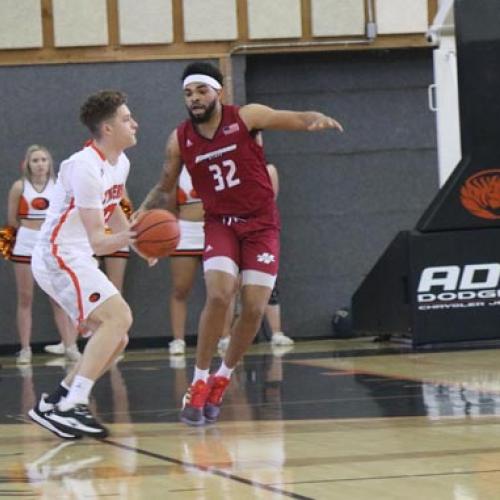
(399, 476)
(208, 470)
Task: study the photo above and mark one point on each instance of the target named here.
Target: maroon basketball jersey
(229, 171)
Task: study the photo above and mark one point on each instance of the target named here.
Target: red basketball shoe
(193, 402)
(217, 385)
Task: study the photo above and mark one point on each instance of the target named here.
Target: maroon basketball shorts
(250, 246)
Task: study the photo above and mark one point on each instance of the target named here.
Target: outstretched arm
(260, 117)
(163, 194)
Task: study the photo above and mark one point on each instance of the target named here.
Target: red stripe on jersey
(62, 264)
(102, 156)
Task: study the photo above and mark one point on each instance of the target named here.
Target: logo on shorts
(94, 297)
(266, 258)
(209, 248)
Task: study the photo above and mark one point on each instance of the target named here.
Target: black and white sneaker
(39, 415)
(77, 420)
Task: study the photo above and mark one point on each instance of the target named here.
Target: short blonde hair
(27, 157)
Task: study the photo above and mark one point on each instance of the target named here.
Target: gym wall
(342, 197)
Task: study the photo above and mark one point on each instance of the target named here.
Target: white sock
(224, 371)
(200, 375)
(78, 393)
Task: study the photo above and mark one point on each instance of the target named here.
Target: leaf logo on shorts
(265, 258)
(94, 297)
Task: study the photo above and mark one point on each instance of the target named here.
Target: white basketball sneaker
(24, 356)
(177, 347)
(55, 349)
(279, 338)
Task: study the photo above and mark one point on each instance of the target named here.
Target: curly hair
(203, 68)
(100, 107)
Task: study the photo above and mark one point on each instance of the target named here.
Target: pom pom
(7, 241)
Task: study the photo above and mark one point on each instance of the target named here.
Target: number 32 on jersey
(224, 175)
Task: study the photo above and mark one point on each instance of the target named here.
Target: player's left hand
(322, 122)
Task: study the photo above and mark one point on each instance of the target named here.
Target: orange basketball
(158, 233)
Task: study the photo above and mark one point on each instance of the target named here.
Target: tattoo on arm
(163, 195)
(156, 198)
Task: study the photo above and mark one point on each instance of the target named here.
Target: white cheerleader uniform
(33, 205)
(192, 240)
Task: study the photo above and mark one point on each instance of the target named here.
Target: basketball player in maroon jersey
(227, 166)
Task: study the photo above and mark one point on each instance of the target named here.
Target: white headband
(200, 78)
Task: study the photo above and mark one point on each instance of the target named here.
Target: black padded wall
(344, 197)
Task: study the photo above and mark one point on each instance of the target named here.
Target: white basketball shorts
(73, 279)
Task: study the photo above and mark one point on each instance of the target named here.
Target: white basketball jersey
(85, 180)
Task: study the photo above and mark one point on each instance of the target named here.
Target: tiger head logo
(480, 194)
(40, 203)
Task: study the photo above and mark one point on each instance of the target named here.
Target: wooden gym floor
(325, 420)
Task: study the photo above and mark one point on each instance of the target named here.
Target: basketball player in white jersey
(28, 201)
(114, 265)
(89, 188)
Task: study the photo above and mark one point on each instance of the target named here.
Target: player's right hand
(128, 237)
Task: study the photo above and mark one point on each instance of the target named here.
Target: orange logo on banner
(480, 194)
